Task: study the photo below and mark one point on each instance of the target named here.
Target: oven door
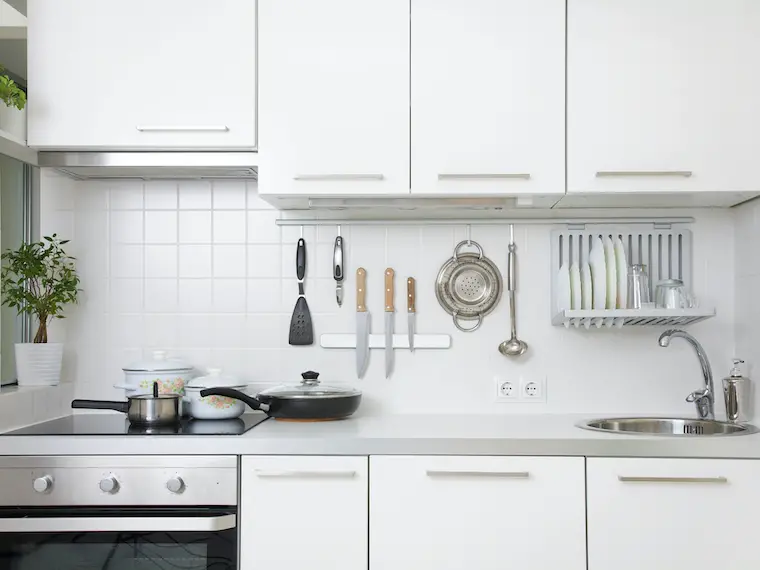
(121, 539)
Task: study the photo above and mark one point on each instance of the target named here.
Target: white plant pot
(13, 121)
(39, 364)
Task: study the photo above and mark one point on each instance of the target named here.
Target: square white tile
(195, 261)
(161, 195)
(264, 260)
(195, 295)
(125, 195)
(161, 295)
(229, 295)
(126, 295)
(195, 227)
(229, 194)
(229, 260)
(126, 227)
(161, 227)
(264, 296)
(160, 261)
(126, 261)
(262, 227)
(229, 227)
(195, 195)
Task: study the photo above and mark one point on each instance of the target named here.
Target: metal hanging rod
(485, 222)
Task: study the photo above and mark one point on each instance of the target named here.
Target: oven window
(119, 551)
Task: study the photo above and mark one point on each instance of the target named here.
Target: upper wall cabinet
(141, 74)
(488, 97)
(334, 89)
(662, 97)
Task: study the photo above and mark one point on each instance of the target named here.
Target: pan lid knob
(310, 378)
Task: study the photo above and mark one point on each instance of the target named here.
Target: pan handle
(461, 328)
(100, 405)
(236, 395)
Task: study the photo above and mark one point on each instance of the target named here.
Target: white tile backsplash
(210, 277)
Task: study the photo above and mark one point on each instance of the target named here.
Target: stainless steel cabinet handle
(627, 479)
(119, 524)
(491, 474)
(642, 173)
(502, 176)
(338, 177)
(305, 474)
(182, 128)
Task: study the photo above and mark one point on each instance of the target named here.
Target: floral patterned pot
(213, 407)
(170, 374)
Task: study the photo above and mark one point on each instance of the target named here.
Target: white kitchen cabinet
(141, 74)
(488, 513)
(334, 94)
(666, 514)
(488, 97)
(660, 99)
(303, 512)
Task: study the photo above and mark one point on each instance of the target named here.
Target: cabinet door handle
(473, 176)
(627, 479)
(642, 173)
(491, 474)
(182, 128)
(305, 474)
(339, 177)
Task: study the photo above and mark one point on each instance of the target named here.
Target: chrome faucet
(703, 399)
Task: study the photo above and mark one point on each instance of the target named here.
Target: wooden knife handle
(410, 295)
(361, 290)
(389, 273)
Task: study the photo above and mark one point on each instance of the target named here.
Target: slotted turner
(301, 329)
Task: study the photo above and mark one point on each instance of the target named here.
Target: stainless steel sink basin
(683, 427)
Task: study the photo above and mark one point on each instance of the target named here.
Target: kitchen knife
(389, 273)
(362, 323)
(410, 309)
(338, 270)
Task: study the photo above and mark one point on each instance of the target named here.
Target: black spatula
(301, 330)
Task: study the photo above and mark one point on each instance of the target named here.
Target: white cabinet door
(303, 512)
(660, 98)
(485, 513)
(488, 97)
(667, 514)
(142, 74)
(334, 92)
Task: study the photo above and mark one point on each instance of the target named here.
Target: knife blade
(362, 323)
(338, 270)
(389, 273)
(410, 309)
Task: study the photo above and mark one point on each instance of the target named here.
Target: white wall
(201, 269)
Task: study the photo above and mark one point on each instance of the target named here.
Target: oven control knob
(109, 485)
(175, 485)
(43, 484)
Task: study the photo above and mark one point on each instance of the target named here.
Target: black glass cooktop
(113, 424)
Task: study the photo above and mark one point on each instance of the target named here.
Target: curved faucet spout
(704, 399)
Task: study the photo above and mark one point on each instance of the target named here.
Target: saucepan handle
(236, 395)
(100, 405)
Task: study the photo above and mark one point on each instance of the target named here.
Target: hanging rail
(483, 222)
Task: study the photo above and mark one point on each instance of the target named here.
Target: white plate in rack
(576, 292)
(611, 264)
(564, 291)
(587, 289)
(598, 274)
(622, 274)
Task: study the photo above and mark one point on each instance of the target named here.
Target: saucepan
(308, 401)
(144, 410)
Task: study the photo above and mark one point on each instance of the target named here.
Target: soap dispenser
(736, 391)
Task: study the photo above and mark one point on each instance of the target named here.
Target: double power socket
(522, 390)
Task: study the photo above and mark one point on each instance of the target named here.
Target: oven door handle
(118, 524)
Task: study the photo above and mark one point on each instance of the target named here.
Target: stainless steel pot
(144, 410)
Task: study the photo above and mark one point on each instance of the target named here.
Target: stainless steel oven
(118, 513)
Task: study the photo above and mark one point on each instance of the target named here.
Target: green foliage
(10, 93)
(39, 279)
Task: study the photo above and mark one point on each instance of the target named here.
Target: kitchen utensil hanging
(301, 328)
(468, 286)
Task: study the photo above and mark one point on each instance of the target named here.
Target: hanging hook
(469, 235)
(511, 233)
(301, 232)
(338, 230)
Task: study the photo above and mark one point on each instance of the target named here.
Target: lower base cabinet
(672, 514)
(484, 513)
(301, 513)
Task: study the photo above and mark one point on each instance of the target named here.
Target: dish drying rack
(667, 253)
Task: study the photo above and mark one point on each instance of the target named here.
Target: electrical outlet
(533, 389)
(506, 389)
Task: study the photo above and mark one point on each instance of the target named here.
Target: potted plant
(39, 279)
(12, 115)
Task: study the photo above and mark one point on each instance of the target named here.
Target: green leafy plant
(10, 93)
(39, 279)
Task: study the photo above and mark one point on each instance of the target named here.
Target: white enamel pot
(213, 407)
(171, 375)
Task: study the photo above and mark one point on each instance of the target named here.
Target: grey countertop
(529, 434)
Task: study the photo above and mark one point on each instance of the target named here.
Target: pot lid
(215, 379)
(310, 387)
(158, 362)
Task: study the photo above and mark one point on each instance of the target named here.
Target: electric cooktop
(117, 424)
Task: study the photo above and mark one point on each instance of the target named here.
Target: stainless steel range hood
(152, 165)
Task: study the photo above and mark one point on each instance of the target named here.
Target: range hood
(152, 165)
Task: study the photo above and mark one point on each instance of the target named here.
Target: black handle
(310, 375)
(155, 389)
(338, 259)
(301, 259)
(235, 394)
(122, 407)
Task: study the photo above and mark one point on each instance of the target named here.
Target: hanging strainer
(468, 286)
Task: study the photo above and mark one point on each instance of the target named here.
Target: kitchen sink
(682, 427)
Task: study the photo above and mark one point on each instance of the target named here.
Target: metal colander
(468, 286)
